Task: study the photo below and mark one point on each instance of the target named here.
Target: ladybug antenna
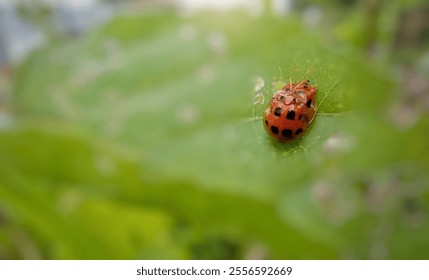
(290, 82)
(295, 86)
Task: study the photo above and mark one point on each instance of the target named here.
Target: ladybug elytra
(290, 111)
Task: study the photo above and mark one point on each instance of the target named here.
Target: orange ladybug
(290, 111)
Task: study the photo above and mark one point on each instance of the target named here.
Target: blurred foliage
(144, 139)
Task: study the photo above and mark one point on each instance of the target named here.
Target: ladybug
(290, 111)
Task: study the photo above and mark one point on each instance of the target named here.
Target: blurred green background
(140, 136)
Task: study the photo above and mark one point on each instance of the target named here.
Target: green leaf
(164, 125)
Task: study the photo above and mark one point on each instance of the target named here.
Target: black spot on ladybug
(298, 131)
(287, 133)
(282, 97)
(274, 129)
(278, 111)
(309, 103)
(290, 115)
(266, 122)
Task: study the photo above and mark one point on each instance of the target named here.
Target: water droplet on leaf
(259, 83)
(258, 99)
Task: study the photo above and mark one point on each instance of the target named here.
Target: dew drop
(258, 99)
(259, 83)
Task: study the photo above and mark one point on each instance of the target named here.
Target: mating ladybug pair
(290, 111)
